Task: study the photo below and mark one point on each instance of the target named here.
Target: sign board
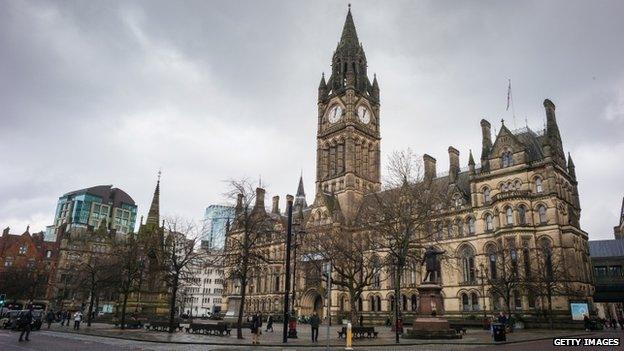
(579, 310)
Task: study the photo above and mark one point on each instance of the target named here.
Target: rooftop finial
(502, 121)
(349, 6)
(159, 174)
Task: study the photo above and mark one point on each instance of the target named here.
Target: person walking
(25, 323)
(586, 322)
(67, 318)
(269, 324)
(63, 315)
(77, 320)
(50, 318)
(256, 324)
(315, 321)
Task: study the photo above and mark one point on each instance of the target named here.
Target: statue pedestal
(430, 323)
(233, 306)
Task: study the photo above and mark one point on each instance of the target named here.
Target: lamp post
(289, 202)
(482, 275)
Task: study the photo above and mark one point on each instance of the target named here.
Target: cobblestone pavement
(69, 341)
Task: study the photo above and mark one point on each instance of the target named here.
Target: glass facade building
(216, 218)
(94, 206)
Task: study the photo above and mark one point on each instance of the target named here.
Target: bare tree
(504, 277)
(550, 276)
(401, 215)
(128, 258)
(26, 282)
(242, 252)
(180, 254)
(95, 274)
(355, 267)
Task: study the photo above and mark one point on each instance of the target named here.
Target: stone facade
(523, 196)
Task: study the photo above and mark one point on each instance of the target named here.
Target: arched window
(538, 185)
(489, 222)
(541, 211)
(359, 304)
(404, 303)
(471, 225)
(378, 304)
(414, 302)
(509, 216)
(468, 265)
(517, 300)
(507, 159)
(495, 301)
(547, 254)
(487, 198)
(392, 303)
(518, 185)
(474, 301)
(522, 215)
(372, 303)
(492, 262)
(460, 227)
(465, 302)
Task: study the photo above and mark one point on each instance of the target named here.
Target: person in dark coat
(256, 324)
(270, 324)
(49, 318)
(315, 321)
(25, 323)
(586, 322)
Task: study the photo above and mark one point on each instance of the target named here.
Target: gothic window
(468, 264)
(538, 185)
(492, 263)
(513, 254)
(495, 301)
(460, 227)
(509, 216)
(547, 253)
(378, 300)
(414, 302)
(392, 303)
(541, 211)
(522, 215)
(359, 304)
(465, 302)
(487, 198)
(372, 303)
(474, 300)
(507, 159)
(527, 260)
(471, 225)
(517, 300)
(489, 222)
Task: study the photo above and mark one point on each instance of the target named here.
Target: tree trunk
(90, 310)
(123, 309)
(354, 311)
(172, 303)
(550, 317)
(241, 309)
(397, 304)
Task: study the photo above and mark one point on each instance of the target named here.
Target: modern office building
(216, 219)
(93, 206)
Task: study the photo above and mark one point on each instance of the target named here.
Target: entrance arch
(312, 301)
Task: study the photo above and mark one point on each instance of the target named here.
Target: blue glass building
(94, 206)
(216, 218)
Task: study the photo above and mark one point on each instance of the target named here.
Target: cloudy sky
(106, 92)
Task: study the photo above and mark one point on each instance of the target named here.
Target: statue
(430, 258)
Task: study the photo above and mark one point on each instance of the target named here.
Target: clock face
(334, 114)
(363, 114)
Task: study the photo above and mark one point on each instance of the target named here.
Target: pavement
(103, 337)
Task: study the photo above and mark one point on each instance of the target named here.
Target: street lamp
(289, 204)
(482, 276)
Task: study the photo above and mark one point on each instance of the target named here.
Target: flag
(508, 95)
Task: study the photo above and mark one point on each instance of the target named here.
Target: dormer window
(23, 249)
(507, 159)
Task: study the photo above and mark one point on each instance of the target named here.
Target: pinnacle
(349, 34)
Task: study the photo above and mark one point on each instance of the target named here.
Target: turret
(322, 89)
(259, 206)
(275, 207)
(471, 163)
(553, 137)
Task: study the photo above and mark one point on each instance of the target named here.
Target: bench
(359, 332)
(210, 329)
(162, 326)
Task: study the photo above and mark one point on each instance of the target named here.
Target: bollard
(349, 337)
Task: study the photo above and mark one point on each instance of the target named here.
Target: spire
(322, 89)
(153, 216)
(471, 163)
(300, 198)
(349, 36)
(553, 137)
(571, 167)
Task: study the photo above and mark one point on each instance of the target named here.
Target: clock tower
(348, 139)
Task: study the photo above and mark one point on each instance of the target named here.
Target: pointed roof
(153, 216)
(570, 162)
(471, 159)
(349, 35)
(300, 198)
(300, 191)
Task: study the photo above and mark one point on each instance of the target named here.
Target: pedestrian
(77, 320)
(63, 315)
(50, 317)
(361, 320)
(315, 321)
(25, 322)
(269, 324)
(256, 326)
(67, 318)
(586, 322)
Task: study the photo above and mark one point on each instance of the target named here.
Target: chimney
(430, 166)
(6, 231)
(487, 139)
(259, 200)
(289, 202)
(239, 204)
(275, 208)
(550, 111)
(453, 163)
